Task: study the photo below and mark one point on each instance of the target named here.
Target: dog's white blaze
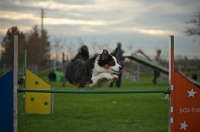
(117, 66)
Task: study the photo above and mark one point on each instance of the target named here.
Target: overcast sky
(146, 24)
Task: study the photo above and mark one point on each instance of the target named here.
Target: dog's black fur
(84, 72)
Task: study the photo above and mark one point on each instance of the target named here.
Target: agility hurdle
(184, 98)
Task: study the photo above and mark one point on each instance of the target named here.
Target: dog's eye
(112, 63)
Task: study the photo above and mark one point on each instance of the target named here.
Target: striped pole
(15, 83)
(24, 81)
(171, 82)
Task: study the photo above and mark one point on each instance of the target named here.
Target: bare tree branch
(194, 29)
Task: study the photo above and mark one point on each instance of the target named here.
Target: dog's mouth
(116, 72)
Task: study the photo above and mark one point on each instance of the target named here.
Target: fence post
(63, 69)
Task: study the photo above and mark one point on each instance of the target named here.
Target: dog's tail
(83, 53)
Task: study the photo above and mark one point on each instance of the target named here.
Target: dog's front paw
(107, 76)
(115, 77)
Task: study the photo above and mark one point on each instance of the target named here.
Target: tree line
(36, 43)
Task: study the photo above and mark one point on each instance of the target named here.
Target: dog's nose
(120, 68)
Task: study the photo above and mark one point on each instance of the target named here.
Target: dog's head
(109, 63)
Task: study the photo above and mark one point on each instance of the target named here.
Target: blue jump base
(6, 102)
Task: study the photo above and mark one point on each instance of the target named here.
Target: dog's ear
(104, 55)
(115, 52)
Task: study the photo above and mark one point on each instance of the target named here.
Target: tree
(45, 53)
(8, 46)
(194, 30)
(38, 48)
(33, 43)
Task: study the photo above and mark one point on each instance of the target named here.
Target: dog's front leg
(100, 76)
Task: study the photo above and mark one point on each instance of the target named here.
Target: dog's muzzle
(120, 70)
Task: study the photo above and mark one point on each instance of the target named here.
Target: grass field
(103, 113)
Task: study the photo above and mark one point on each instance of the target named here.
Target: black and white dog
(94, 72)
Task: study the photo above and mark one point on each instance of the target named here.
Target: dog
(90, 73)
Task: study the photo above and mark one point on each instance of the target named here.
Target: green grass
(103, 113)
